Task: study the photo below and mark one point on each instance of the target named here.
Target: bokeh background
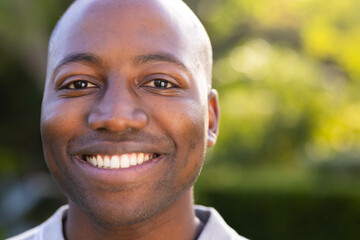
(286, 165)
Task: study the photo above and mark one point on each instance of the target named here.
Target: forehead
(115, 27)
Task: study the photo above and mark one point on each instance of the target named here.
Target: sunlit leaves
(288, 72)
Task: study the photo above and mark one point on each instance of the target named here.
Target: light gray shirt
(215, 228)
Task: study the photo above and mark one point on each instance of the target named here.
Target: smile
(120, 160)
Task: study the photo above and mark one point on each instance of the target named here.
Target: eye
(159, 83)
(79, 84)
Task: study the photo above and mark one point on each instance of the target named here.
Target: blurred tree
(288, 74)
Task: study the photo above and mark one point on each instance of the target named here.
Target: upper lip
(114, 148)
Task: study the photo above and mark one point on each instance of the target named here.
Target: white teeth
(119, 161)
(100, 161)
(93, 161)
(107, 163)
(140, 158)
(115, 163)
(125, 162)
(133, 159)
(88, 159)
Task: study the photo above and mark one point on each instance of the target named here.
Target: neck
(177, 222)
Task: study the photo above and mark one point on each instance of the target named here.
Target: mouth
(120, 160)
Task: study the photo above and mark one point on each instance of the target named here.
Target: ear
(214, 115)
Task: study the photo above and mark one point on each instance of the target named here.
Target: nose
(116, 110)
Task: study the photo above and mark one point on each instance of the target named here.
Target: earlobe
(214, 115)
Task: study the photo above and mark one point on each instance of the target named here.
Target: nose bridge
(117, 100)
(117, 109)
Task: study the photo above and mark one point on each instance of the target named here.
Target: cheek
(60, 121)
(61, 118)
(184, 121)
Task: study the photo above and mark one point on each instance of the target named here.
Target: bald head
(178, 17)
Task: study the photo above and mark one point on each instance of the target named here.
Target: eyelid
(67, 86)
(152, 82)
(66, 81)
(171, 80)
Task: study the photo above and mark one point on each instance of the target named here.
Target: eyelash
(155, 83)
(84, 84)
(159, 83)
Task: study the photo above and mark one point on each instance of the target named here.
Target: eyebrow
(140, 59)
(79, 57)
(159, 57)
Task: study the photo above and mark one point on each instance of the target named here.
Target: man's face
(124, 92)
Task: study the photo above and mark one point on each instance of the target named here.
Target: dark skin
(125, 78)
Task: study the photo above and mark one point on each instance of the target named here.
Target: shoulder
(215, 226)
(28, 235)
(50, 229)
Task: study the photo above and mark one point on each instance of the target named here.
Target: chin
(118, 215)
(121, 212)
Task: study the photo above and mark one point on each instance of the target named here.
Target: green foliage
(288, 75)
(283, 203)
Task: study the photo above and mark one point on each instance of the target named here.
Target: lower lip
(118, 175)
